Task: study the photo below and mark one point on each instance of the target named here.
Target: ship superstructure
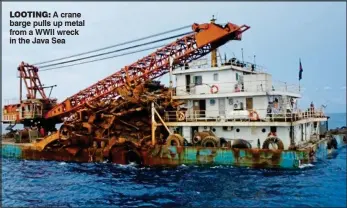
(238, 104)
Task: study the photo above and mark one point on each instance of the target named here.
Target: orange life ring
(180, 116)
(253, 115)
(214, 89)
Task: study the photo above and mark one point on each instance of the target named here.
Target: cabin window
(215, 77)
(237, 130)
(212, 101)
(237, 76)
(263, 130)
(198, 80)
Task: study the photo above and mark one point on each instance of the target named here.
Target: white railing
(239, 115)
(206, 63)
(9, 117)
(13, 116)
(234, 87)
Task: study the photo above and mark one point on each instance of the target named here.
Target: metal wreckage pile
(118, 125)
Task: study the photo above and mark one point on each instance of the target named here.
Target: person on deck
(42, 131)
(312, 107)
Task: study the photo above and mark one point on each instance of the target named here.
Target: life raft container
(273, 140)
(214, 89)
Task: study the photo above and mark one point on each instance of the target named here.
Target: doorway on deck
(188, 83)
(199, 108)
(249, 103)
(222, 107)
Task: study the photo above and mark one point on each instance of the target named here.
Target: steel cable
(112, 46)
(109, 57)
(122, 49)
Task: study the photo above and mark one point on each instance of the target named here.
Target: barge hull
(161, 155)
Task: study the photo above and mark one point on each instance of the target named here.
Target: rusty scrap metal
(118, 124)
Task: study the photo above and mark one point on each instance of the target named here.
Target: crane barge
(115, 118)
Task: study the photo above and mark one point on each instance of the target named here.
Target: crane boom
(205, 38)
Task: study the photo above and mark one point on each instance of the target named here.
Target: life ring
(180, 116)
(253, 115)
(214, 89)
(273, 140)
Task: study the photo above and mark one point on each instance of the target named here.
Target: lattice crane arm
(204, 39)
(29, 74)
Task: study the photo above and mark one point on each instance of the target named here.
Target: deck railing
(234, 87)
(206, 63)
(261, 115)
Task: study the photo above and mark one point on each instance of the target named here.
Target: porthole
(237, 130)
(214, 130)
(263, 130)
(212, 101)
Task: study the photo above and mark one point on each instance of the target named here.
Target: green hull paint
(167, 156)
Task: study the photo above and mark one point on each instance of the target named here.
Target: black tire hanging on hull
(241, 144)
(332, 143)
(273, 140)
(209, 141)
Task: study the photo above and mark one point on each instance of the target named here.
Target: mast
(213, 52)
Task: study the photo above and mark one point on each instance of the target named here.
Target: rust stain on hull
(164, 155)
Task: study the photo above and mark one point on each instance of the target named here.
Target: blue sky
(280, 34)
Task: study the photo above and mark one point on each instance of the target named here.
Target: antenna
(243, 62)
(254, 60)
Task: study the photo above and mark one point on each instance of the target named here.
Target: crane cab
(27, 112)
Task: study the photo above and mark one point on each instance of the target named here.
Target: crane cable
(112, 46)
(109, 57)
(122, 49)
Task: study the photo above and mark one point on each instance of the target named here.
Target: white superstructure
(239, 101)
